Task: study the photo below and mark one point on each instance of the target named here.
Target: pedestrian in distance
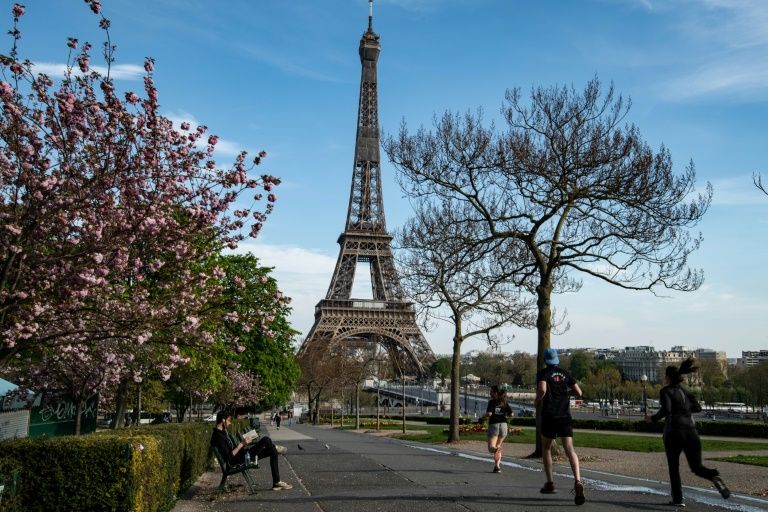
(554, 385)
(497, 412)
(236, 454)
(278, 419)
(676, 406)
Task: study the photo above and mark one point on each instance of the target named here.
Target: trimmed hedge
(137, 469)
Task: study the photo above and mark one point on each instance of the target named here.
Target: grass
(752, 460)
(632, 443)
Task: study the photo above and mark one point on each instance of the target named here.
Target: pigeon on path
(299, 447)
(327, 447)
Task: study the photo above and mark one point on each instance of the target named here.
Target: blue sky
(283, 76)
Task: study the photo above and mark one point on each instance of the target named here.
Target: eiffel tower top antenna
(370, 15)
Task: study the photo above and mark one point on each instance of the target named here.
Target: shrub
(141, 469)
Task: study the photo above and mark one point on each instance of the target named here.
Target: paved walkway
(343, 471)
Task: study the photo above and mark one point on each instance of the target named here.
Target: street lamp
(644, 379)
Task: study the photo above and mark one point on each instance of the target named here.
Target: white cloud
(742, 75)
(302, 274)
(118, 71)
(736, 190)
(733, 35)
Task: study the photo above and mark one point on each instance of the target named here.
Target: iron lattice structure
(389, 318)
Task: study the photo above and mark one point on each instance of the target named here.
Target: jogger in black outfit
(677, 404)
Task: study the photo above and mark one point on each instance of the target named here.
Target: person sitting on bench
(235, 454)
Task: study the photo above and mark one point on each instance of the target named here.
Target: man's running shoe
(578, 490)
(549, 488)
(723, 489)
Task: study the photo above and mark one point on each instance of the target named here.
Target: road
(341, 471)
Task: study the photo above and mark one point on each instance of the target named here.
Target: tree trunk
(137, 411)
(543, 333)
(78, 415)
(120, 405)
(453, 429)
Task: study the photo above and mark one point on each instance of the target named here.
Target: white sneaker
(281, 486)
(280, 449)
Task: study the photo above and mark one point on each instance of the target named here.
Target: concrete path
(340, 471)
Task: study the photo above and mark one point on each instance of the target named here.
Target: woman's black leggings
(684, 440)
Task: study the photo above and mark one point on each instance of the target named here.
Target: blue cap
(550, 356)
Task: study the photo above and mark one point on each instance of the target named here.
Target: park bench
(227, 470)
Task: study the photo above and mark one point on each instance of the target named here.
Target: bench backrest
(220, 458)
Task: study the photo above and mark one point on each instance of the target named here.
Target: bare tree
(471, 286)
(572, 183)
(758, 181)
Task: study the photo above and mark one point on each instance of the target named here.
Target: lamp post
(466, 411)
(644, 380)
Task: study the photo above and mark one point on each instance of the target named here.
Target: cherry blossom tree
(108, 217)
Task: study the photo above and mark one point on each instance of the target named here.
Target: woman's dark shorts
(556, 427)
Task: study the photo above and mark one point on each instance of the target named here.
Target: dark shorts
(556, 427)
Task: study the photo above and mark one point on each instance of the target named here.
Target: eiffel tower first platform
(389, 318)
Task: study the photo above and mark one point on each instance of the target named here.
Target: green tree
(441, 368)
(267, 352)
(581, 365)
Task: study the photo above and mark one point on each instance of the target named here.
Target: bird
(299, 447)
(327, 447)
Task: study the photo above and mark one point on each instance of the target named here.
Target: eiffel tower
(389, 318)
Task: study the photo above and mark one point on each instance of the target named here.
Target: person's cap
(550, 356)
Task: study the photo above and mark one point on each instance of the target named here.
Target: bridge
(471, 402)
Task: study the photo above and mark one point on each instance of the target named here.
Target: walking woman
(498, 409)
(677, 404)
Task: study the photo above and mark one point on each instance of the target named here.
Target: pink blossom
(184, 125)
(149, 64)
(72, 42)
(18, 10)
(95, 5)
(83, 62)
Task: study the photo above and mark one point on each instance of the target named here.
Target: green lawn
(630, 443)
(752, 460)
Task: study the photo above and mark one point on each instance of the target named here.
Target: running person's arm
(576, 390)
(665, 401)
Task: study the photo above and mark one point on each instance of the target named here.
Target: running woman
(497, 411)
(680, 435)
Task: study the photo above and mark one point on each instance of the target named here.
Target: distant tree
(491, 367)
(441, 368)
(523, 369)
(471, 287)
(581, 365)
